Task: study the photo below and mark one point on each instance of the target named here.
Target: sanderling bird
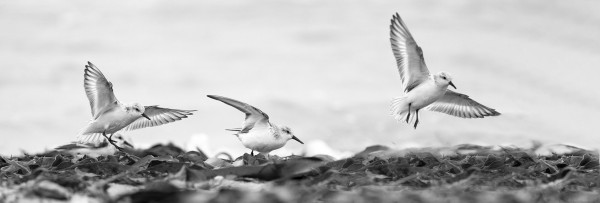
(257, 133)
(110, 115)
(422, 89)
(79, 149)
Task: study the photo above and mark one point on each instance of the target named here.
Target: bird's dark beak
(295, 138)
(452, 84)
(128, 144)
(146, 116)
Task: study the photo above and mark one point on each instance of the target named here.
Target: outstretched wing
(99, 91)
(409, 56)
(461, 105)
(158, 116)
(254, 116)
(81, 146)
(73, 146)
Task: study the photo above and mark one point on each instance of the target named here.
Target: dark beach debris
(166, 173)
(288, 169)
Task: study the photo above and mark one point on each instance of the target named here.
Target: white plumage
(109, 115)
(422, 89)
(257, 133)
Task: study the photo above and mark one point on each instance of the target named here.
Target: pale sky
(324, 68)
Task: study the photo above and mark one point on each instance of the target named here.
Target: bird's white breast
(115, 120)
(425, 94)
(262, 140)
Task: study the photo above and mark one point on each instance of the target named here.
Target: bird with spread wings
(421, 88)
(109, 115)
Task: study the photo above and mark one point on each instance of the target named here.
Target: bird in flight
(257, 133)
(421, 88)
(109, 115)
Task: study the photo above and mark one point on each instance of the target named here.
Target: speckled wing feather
(158, 116)
(254, 116)
(409, 56)
(461, 105)
(98, 90)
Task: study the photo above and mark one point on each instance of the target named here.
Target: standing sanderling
(257, 133)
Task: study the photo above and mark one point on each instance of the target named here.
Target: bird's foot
(417, 119)
(408, 116)
(111, 141)
(110, 138)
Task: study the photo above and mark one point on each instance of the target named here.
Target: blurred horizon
(324, 68)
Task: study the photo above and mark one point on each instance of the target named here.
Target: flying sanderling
(257, 133)
(421, 89)
(110, 115)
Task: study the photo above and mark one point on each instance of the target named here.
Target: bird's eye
(443, 77)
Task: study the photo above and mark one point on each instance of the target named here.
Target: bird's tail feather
(399, 109)
(90, 138)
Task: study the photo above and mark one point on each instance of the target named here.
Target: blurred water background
(325, 68)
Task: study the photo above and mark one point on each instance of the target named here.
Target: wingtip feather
(494, 112)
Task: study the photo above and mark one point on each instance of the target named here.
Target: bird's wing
(409, 56)
(80, 146)
(158, 116)
(99, 91)
(254, 116)
(72, 146)
(460, 105)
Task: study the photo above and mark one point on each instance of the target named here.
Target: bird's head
(137, 108)
(443, 79)
(287, 132)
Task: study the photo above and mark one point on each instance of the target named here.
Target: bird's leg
(252, 153)
(111, 141)
(104, 134)
(110, 137)
(417, 120)
(408, 116)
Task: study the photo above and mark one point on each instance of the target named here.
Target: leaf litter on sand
(166, 173)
